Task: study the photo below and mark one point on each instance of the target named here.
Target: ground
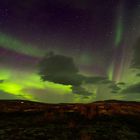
(108, 120)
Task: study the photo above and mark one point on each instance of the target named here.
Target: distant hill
(101, 120)
(109, 107)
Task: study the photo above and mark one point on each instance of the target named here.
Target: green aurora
(16, 85)
(20, 85)
(14, 44)
(119, 32)
(25, 83)
(119, 29)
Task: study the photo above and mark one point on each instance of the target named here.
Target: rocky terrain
(103, 120)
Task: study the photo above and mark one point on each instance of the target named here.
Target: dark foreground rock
(108, 120)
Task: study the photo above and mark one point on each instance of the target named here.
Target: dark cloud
(80, 91)
(1, 81)
(138, 74)
(114, 88)
(89, 80)
(85, 97)
(114, 91)
(132, 89)
(121, 83)
(62, 69)
(59, 69)
(96, 80)
(107, 81)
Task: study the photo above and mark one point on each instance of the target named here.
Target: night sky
(102, 37)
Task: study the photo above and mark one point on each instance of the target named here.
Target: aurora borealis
(100, 36)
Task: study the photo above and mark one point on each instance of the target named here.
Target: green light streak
(119, 25)
(111, 72)
(114, 74)
(119, 32)
(18, 46)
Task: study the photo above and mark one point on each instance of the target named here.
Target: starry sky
(101, 36)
